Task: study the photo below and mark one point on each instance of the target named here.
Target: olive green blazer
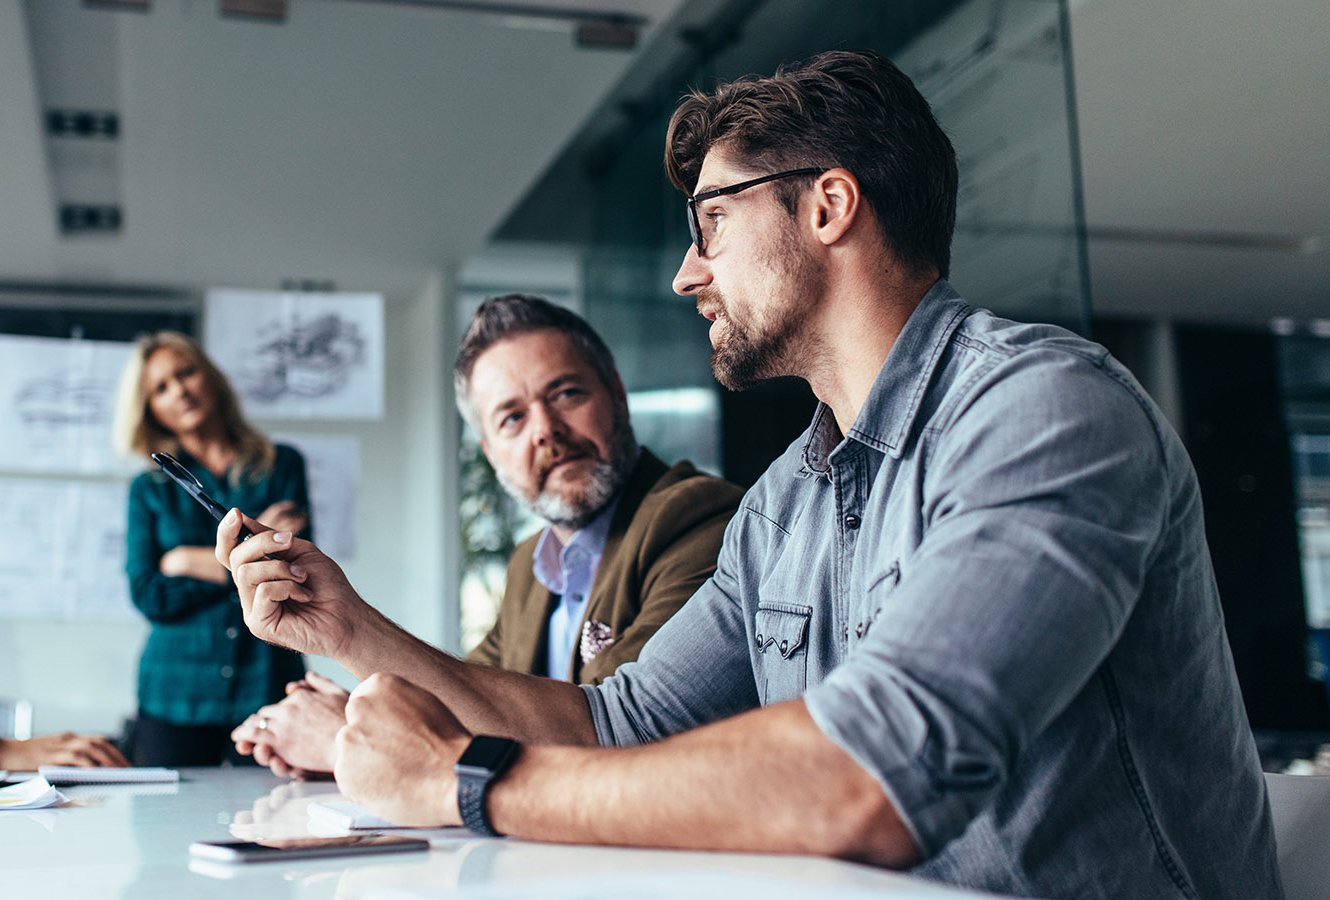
(662, 545)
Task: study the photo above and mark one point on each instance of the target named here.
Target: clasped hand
(391, 744)
(295, 738)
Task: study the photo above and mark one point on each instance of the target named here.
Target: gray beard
(602, 484)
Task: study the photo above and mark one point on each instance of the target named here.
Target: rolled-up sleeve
(1043, 499)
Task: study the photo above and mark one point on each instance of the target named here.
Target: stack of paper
(35, 793)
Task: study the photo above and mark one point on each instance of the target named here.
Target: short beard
(606, 479)
(746, 356)
(743, 359)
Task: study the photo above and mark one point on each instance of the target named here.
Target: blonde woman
(201, 670)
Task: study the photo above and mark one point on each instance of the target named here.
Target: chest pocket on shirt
(781, 635)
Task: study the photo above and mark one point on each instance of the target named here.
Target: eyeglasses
(695, 224)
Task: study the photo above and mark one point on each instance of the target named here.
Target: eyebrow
(548, 386)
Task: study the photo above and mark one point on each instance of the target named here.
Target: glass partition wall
(997, 73)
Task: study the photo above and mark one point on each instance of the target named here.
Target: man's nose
(693, 274)
(546, 426)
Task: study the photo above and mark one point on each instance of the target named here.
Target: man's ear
(836, 204)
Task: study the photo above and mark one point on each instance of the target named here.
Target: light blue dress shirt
(995, 595)
(569, 570)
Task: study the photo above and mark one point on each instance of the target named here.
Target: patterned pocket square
(596, 636)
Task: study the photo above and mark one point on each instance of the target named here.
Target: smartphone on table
(305, 848)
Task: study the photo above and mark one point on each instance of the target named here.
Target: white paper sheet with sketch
(299, 355)
(57, 401)
(332, 466)
(70, 562)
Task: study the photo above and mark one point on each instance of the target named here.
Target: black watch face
(487, 754)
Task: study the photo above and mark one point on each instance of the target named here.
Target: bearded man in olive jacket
(628, 540)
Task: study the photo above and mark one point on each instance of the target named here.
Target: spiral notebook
(108, 775)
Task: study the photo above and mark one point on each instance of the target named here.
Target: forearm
(162, 598)
(194, 562)
(486, 700)
(765, 781)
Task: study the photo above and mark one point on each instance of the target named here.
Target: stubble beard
(750, 353)
(603, 482)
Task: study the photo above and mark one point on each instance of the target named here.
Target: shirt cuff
(878, 724)
(600, 716)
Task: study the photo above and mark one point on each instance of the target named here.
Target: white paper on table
(346, 815)
(35, 793)
(108, 774)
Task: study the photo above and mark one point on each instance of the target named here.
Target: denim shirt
(995, 595)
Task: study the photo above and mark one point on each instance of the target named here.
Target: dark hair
(500, 318)
(849, 109)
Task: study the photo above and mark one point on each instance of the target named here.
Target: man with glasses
(967, 623)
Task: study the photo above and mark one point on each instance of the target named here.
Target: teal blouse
(200, 664)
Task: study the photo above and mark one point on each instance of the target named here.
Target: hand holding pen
(292, 593)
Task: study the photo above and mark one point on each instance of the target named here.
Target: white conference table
(132, 841)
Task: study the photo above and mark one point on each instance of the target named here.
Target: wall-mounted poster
(299, 355)
(332, 466)
(57, 401)
(70, 562)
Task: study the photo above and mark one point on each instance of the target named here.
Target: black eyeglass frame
(695, 227)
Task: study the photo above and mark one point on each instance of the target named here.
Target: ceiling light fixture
(267, 10)
(591, 28)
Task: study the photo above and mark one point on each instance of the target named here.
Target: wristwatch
(485, 759)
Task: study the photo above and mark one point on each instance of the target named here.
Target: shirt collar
(897, 393)
(553, 560)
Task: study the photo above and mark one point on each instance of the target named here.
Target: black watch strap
(483, 761)
(471, 791)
